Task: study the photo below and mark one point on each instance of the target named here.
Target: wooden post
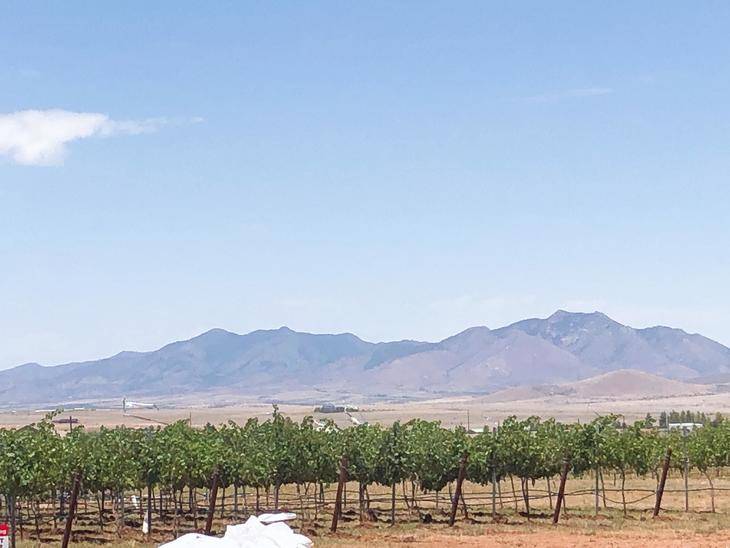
(494, 492)
(392, 504)
(561, 490)
(235, 501)
(13, 519)
(338, 497)
(596, 471)
(686, 484)
(71, 510)
(662, 482)
(211, 503)
(457, 495)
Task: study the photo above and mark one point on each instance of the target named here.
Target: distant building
(332, 408)
(329, 408)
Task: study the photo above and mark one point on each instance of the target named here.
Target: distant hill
(607, 345)
(564, 348)
(631, 384)
(621, 384)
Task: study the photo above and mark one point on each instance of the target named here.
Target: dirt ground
(579, 525)
(578, 530)
(557, 538)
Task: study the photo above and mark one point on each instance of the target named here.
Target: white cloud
(569, 94)
(40, 137)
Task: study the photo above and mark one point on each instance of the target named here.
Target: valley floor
(474, 411)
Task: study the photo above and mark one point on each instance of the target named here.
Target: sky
(392, 169)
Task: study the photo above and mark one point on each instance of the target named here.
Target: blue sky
(394, 169)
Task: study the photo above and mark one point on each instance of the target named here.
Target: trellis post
(561, 490)
(457, 494)
(71, 510)
(662, 482)
(211, 502)
(338, 498)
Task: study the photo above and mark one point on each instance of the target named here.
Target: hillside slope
(624, 384)
(562, 348)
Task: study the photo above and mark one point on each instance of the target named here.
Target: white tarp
(279, 516)
(255, 533)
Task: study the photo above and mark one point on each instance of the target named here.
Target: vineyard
(176, 478)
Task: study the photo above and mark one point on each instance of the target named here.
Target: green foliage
(707, 447)
(36, 460)
(434, 453)
(686, 416)
(393, 463)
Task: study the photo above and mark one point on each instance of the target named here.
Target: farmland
(401, 479)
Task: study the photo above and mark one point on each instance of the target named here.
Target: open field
(579, 526)
(476, 410)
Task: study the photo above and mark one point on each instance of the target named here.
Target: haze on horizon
(396, 171)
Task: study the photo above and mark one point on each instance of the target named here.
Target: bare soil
(579, 525)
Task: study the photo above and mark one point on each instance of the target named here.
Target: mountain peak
(561, 314)
(214, 333)
(473, 335)
(567, 345)
(30, 365)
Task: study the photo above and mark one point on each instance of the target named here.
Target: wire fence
(188, 508)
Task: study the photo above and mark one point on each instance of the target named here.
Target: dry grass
(450, 411)
(578, 527)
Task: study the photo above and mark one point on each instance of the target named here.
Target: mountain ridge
(564, 347)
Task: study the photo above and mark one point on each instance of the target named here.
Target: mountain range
(562, 348)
